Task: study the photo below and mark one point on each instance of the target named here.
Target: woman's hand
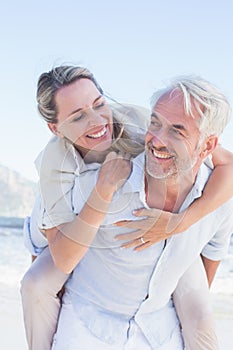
(113, 174)
(158, 226)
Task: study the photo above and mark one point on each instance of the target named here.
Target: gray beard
(171, 173)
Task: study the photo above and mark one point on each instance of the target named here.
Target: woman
(72, 93)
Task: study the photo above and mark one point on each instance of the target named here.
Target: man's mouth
(98, 134)
(161, 155)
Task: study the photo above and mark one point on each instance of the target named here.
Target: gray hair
(50, 82)
(205, 98)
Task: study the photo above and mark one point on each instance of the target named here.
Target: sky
(132, 47)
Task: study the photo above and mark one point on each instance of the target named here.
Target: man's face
(83, 116)
(172, 140)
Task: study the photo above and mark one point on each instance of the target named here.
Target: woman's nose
(94, 118)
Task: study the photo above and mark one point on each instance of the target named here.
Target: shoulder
(58, 155)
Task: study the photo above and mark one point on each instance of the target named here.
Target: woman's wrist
(179, 222)
(104, 193)
(187, 218)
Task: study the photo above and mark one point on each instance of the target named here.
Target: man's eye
(177, 132)
(154, 124)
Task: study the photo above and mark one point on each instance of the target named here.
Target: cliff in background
(17, 194)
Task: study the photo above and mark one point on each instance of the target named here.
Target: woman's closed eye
(77, 117)
(100, 105)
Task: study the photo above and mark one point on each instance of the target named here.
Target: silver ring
(142, 240)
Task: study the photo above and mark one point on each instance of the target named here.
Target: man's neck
(167, 194)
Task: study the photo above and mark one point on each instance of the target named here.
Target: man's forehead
(174, 101)
(172, 96)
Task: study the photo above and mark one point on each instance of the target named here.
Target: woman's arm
(159, 225)
(218, 190)
(211, 267)
(69, 242)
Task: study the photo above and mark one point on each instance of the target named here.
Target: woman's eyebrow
(97, 98)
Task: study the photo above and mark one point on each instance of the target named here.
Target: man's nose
(159, 138)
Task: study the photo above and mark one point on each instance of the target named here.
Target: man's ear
(209, 146)
(53, 128)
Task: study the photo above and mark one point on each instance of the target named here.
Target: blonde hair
(123, 142)
(48, 85)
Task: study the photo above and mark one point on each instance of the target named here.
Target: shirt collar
(136, 181)
(197, 189)
(82, 167)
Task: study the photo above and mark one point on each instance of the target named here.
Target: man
(119, 299)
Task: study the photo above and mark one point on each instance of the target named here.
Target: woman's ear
(53, 128)
(209, 146)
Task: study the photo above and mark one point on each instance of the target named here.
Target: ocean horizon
(15, 259)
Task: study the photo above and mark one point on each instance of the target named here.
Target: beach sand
(12, 336)
(12, 330)
(223, 311)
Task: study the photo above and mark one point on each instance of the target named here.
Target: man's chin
(156, 174)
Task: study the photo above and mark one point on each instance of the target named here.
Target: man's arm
(210, 268)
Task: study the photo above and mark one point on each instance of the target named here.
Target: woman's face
(83, 116)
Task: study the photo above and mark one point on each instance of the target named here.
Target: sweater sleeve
(56, 166)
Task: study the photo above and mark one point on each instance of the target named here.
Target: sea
(15, 259)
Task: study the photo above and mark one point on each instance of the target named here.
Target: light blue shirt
(111, 285)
